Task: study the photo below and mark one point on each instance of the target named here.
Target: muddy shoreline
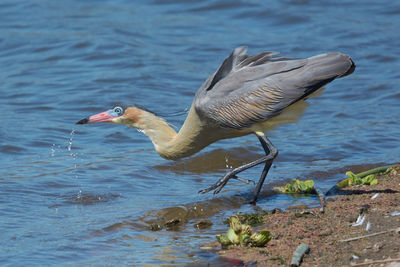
(369, 214)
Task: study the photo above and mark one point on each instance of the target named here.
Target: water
(82, 195)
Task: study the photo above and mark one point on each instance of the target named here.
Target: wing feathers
(228, 65)
(250, 89)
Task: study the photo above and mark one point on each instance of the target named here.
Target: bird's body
(196, 133)
(247, 94)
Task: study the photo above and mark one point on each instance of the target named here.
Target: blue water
(82, 194)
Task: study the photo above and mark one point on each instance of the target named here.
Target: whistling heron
(247, 94)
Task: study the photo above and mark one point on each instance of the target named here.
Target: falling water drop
(227, 163)
(73, 155)
(79, 194)
(53, 150)
(70, 140)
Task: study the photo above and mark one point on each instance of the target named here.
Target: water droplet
(70, 140)
(227, 166)
(79, 194)
(73, 155)
(53, 150)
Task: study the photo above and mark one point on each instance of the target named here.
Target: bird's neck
(170, 144)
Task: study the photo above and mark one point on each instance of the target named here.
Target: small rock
(325, 232)
(155, 227)
(203, 224)
(376, 247)
(351, 218)
(276, 210)
(172, 224)
(364, 208)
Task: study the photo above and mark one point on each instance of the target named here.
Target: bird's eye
(118, 110)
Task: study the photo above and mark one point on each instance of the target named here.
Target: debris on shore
(297, 186)
(360, 226)
(242, 235)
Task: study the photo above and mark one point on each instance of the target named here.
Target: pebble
(364, 208)
(203, 224)
(325, 232)
(376, 247)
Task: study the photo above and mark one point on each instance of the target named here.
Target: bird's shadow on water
(217, 160)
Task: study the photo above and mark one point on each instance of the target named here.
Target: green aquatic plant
(357, 179)
(233, 237)
(235, 224)
(297, 186)
(260, 239)
(242, 235)
(363, 178)
(223, 240)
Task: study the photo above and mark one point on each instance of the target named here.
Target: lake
(85, 195)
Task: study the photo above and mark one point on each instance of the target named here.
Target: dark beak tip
(84, 121)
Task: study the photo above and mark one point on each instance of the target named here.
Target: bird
(247, 94)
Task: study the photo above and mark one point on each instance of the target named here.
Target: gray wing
(250, 89)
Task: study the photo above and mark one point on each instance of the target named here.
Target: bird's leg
(270, 151)
(243, 180)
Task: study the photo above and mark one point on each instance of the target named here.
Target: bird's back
(248, 90)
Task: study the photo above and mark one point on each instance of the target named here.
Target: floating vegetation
(297, 186)
(241, 235)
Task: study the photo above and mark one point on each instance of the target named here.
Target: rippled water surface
(85, 194)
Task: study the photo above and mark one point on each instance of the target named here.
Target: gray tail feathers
(351, 69)
(331, 65)
(324, 68)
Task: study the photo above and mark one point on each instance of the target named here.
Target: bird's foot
(222, 182)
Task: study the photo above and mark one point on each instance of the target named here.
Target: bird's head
(122, 114)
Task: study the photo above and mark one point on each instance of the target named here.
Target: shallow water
(84, 194)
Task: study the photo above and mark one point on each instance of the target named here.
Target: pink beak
(101, 117)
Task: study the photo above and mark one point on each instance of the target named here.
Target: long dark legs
(270, 151)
